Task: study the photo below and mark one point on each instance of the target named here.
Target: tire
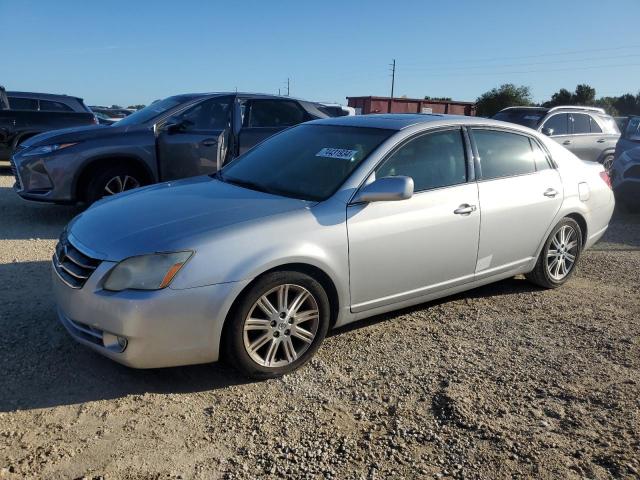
(114, 179)
(266, 346)
(543, 274)
(607, 162)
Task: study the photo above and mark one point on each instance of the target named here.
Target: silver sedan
(324, 224)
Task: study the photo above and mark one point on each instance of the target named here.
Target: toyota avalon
(321, 225)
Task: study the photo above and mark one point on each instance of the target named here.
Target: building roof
(404, 99)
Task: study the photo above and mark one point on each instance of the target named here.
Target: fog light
(114, 343)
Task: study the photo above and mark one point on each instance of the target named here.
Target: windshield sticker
(340, 153)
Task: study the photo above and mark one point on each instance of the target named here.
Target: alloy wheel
(120, 183)
(562, 252)
(281, 325)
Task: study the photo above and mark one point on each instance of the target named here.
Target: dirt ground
(505, 381)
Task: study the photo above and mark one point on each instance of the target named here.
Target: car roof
(41, 96)
(399, 121)
(189, 96)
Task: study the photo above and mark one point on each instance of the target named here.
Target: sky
(129, 52)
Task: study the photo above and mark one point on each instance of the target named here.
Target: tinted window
(559, 124)
(503, 154)
(275, 113)
(633, 128)
(51, 106)
(581, 123)
(433, 160)
(539, 156)
(16, 103)
(308, 161)
(206, 116)
(527, 117)
(595, 128)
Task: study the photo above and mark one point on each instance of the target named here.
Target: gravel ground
(504, 381)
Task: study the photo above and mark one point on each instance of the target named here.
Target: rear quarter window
(19, 103)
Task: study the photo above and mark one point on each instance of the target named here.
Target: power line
(493, 72)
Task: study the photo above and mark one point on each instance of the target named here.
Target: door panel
(199, 145)
(516, 215)
(406, 249)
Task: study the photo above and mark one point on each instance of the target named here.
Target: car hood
(74, 134)
(170, 216)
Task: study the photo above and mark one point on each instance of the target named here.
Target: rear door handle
(602, 140)
(465, 209)
(550, 192)
(567, 142)
(209, 142)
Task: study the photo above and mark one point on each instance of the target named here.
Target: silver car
(321, 225)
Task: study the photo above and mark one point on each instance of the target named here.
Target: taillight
(605, 176)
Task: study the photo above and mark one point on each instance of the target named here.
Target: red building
(364, 105)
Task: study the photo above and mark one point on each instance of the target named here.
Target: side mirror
(386, 189)
(547, 131)
(172, 125)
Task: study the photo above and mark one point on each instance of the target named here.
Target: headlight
(45, 149)
(146, 272)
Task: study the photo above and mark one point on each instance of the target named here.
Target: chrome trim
(54, 261)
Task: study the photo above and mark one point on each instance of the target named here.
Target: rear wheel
(559, 255)
(111, 181)
(278, 325)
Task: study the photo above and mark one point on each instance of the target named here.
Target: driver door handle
(465, 209)
(209, 142)
(550, 192)
(602, 140)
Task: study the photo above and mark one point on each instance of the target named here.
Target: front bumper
(162, 328)
(35, 179)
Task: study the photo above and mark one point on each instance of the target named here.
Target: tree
(584, 95)
(507, 95)
(136, 107)
(628, 104)
(438, 99)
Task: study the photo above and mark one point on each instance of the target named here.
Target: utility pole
(393, 76)
(287, 86)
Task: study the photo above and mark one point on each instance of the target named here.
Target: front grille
(72, 266)
(14, 171)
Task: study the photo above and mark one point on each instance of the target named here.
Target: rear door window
(275, 114)
(18, 103)
(51, 106)
(581, 123)
(503, 154)
(558, 124)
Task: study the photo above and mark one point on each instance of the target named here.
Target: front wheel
(111, 181)
(278, 325)
(559, 255)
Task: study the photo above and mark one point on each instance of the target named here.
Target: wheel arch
(313, 271)
(96, 163)
(582, 222)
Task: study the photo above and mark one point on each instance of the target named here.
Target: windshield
(309, 162)
(528, 118)
(151, 111)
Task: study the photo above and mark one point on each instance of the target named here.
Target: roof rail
(577, 107)
(524, 108)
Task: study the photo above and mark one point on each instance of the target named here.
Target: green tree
(136, 107)
(628, 104)
(584, 95)
(507, 95)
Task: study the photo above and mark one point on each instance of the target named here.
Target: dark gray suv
(588, 132)
(178, 137)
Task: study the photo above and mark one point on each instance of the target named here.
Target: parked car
(114, 114)
(630, 137)
(103, 119)
(625, 176)
(588, 132)
(29, 114)
(326, 223)
(178, 137)
(336, 110)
